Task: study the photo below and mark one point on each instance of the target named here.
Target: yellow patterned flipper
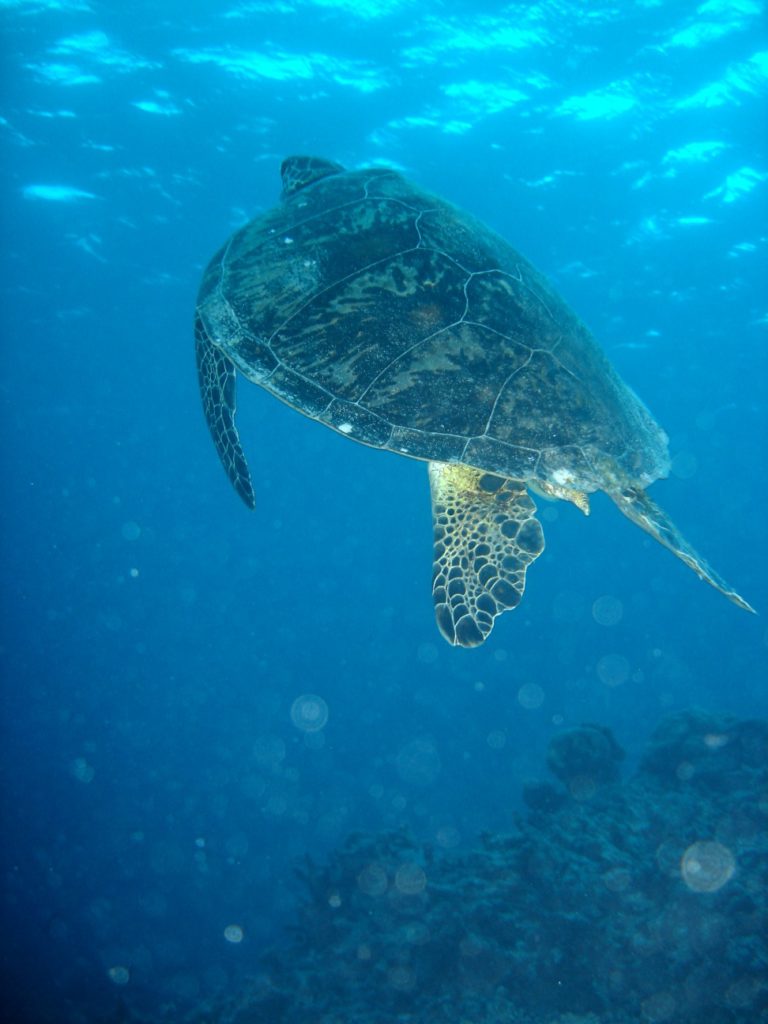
(486, 536)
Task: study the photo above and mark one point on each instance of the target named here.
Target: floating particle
(372, 880)
(530, 696)
(402, 978)
(119, 975)
(742, 993)
(707, 866)
(276, 805)
(716, 740)
(410, 879)
(184, 985)
(427, 653)
(416, 933)
(568, 607)
(418, 762)
(233, 933)
(81, 770)
(130, 531)
(269, 750)
(582, 787)
(607, 610)
(314, 740)
(447, 837)
(617, 879)
(658, 1007)
(237, 846)
(684, 465)
(309, 713)
(613, 669)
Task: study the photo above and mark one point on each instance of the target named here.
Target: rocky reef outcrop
(612, 902)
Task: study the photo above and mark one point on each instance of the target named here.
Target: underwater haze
(203, 703)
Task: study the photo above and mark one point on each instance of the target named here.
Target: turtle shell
(406, 324)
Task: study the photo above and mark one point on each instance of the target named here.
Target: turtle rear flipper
(486, 536)
(637, 506)
(216, 375)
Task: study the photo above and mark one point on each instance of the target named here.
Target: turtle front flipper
(486, 536)
(637, 506)
(216, 375)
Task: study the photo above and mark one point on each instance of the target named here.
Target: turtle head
(299, 171)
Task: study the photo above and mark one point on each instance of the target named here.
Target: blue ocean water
(157, 793)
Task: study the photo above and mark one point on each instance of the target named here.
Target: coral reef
(613, 902)
(587, 756)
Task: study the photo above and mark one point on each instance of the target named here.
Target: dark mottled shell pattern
(406, 324)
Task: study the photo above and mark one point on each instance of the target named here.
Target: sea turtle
(404, 323)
